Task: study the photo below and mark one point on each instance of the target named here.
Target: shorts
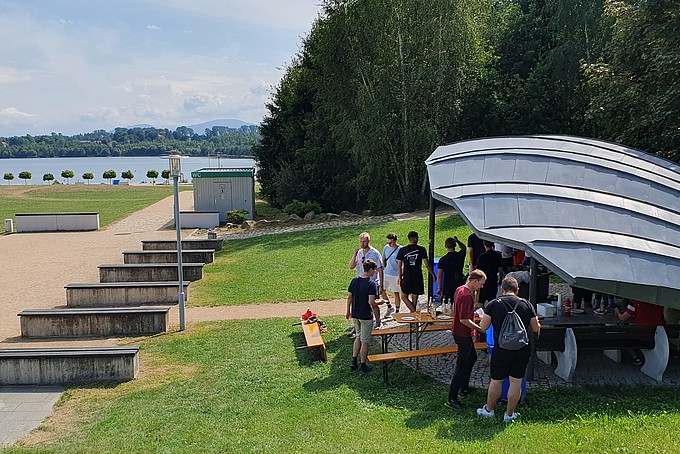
(509, 363)
(364, 328)
(412, 286)
(390, 283)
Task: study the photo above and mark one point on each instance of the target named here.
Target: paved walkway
(22, 409)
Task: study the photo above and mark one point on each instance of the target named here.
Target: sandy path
(37, 266)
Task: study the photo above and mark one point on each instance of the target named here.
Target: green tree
(152, 175)
(25, 175)
(165, 174)
(48, 177)
(68, 174)
(128, 175)
(109, 175)
(9, 176)
(88, 176)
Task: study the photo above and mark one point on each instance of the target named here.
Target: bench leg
(566, 360)
(656, 360)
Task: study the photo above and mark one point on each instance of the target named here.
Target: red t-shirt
(463, 308)
(646, 314)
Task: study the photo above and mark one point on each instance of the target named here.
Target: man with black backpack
(511, 318)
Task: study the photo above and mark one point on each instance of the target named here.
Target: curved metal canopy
(602, 216)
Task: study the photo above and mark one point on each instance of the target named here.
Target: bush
(302, 208)
(237, 216)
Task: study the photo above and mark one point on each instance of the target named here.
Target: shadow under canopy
(602, 216)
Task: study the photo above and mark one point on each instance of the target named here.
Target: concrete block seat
(191, 243)
(94, 322)
(76, 365)
(169, 256)
(149, 272)
(110, 294)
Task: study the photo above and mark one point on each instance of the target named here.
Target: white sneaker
(484, 413)
(377, 325)
(390, 311)
(510, 418)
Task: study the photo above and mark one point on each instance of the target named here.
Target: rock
(294, 217)
(332, 215)
(247, 225)
(367, 213)
(347, 214)
(309, 216)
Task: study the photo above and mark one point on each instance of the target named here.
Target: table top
(416, 318)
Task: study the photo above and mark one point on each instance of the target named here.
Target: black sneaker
(454, 404)
(354, 366)
(365, 369)
(467, 391)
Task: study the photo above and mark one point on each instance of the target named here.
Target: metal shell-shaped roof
(602, 216)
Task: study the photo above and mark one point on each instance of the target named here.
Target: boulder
(347, 214)
(367, 213)
(294, 217)
(332, 215)
(247, 225)
(309, 216)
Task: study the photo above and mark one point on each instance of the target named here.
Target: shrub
(237, 216)
(302, 208)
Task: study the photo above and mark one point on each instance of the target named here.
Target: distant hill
(228, 122)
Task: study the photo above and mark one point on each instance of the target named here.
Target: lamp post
(175, 172)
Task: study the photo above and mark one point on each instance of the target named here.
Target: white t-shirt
(372, 254)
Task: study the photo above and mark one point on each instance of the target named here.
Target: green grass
(111, 202)
(301, 266)
(241, 386)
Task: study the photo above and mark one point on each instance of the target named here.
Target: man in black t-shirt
(363, 292)
(410, 260)
(450, 270)
(510, 364)
(491, 263)
(475, 248)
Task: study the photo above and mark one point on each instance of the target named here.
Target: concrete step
(169, 256)
(192, 243)
(110, 294)
(149, 272)
(60, 366)
(94, 322)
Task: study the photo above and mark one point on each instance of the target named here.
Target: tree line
(134, 142)
(379, 84)
(87, 176)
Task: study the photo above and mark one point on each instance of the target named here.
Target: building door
(223, 202)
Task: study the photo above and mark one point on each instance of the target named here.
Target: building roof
(224, 172)
(602, 216)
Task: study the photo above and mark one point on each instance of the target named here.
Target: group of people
(399, 270)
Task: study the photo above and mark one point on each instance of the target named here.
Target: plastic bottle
(567, 308)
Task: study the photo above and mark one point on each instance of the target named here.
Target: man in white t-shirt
(361, 254)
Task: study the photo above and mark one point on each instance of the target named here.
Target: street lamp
(175, 173)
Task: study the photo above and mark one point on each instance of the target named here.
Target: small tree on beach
(68, 174)
(165, 175)
(152, 175)
(9, 176)
(109, 175)
(128, 175)
(87, 176)
(48, 177)
(25, 175)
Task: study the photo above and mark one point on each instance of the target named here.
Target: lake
(97, 166)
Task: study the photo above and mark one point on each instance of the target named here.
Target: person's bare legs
(397, 301)
(376, 313)
(357, 346)
(514, 393)
(494, 393)
(364, 353)
(407, 301)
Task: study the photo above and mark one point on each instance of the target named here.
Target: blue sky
(74, 66)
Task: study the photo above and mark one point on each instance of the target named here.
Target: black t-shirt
(361, 288)
(452, 265)
(477, 246)
(412, 257)
(489, 262)
(498, 308)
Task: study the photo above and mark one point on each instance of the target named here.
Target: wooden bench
(566, 341)
(313, 338)
(74, 365)
(389, 358)
(386, 334)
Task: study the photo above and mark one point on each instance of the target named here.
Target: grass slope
(111, 202)
(301, 266)
(241, 386)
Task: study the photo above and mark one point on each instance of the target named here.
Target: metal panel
(224, 190)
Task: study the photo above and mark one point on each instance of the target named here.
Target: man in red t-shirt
(644, 314)
(463, 324)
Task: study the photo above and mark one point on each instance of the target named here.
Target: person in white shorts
(391, 273)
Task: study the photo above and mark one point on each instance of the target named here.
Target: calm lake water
(138, 165)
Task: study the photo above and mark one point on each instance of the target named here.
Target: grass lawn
(241, 386)
(302, 266)
(111, 202)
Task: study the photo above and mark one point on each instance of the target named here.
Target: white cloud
(11, 113)
(153, 27)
